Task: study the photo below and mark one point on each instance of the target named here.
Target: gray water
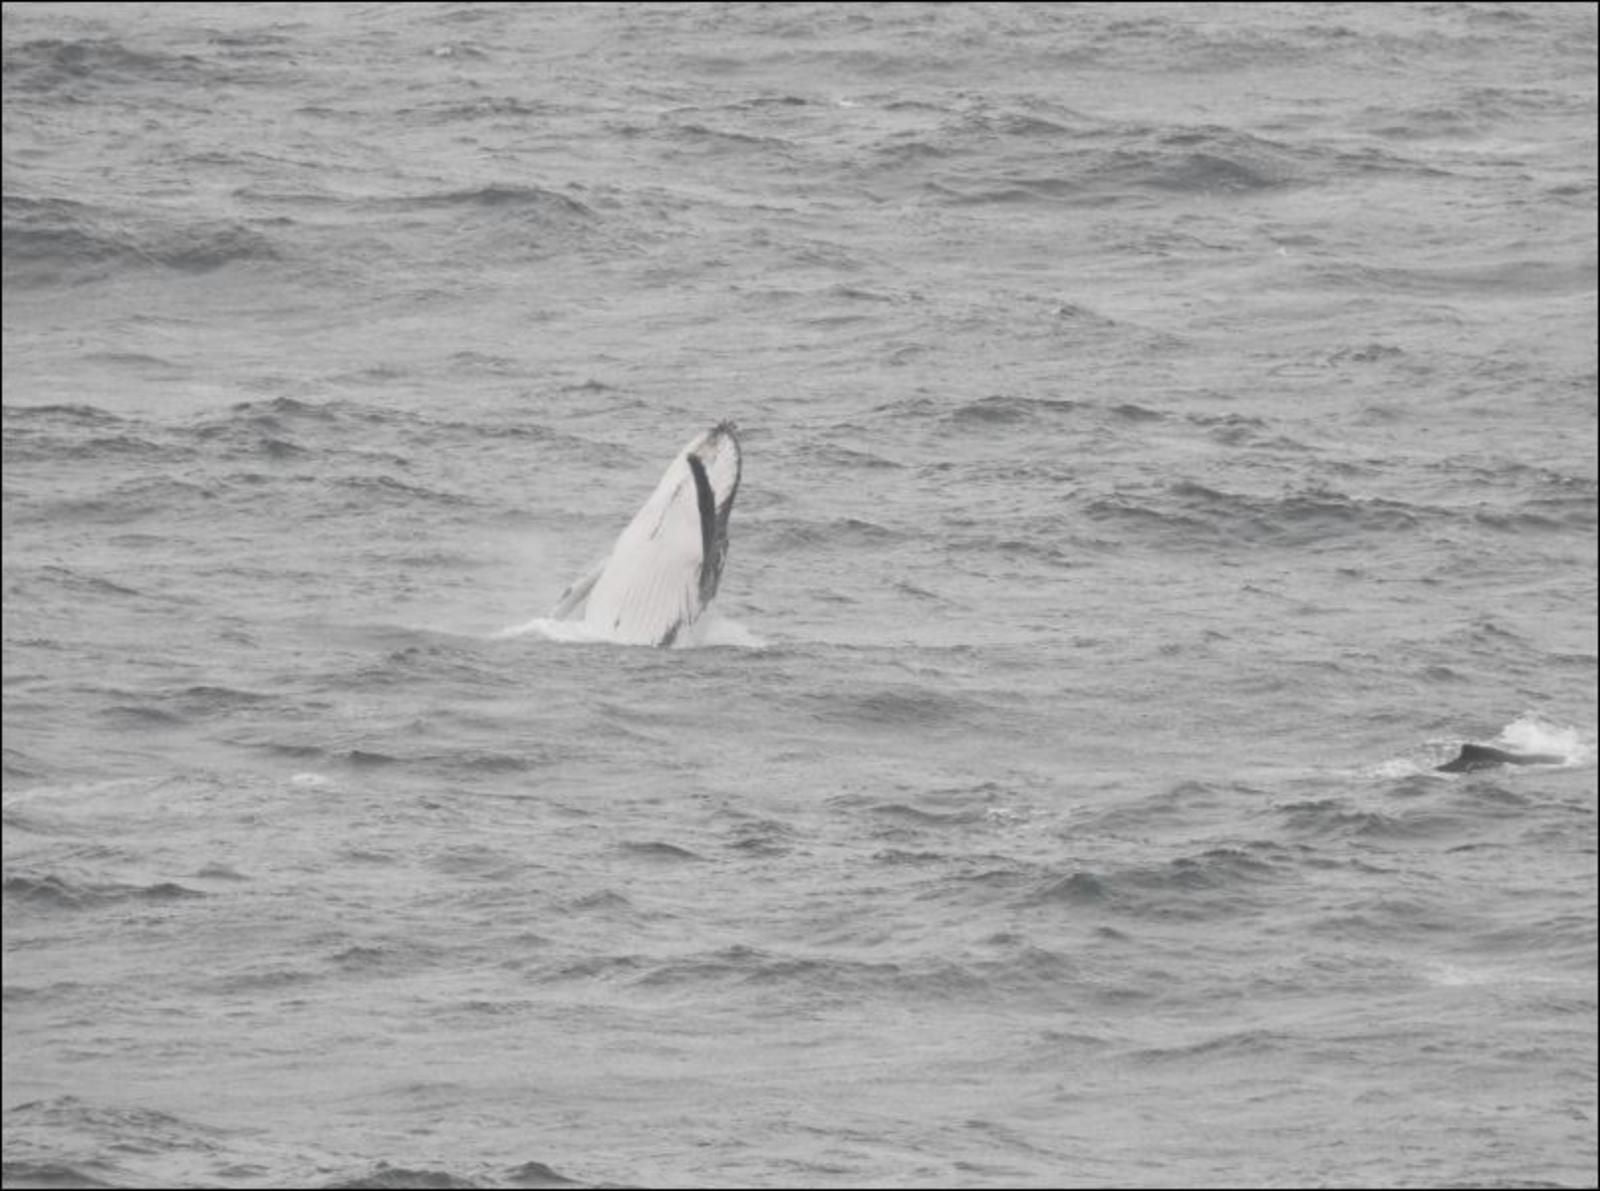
(1169, 433)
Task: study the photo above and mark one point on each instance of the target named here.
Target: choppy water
(1169, 431)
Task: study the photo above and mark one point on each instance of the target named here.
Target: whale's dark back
(1474, 757)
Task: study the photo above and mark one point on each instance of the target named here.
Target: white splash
(714, 629)
(549, 628)
(710, 631)
(1528, 733)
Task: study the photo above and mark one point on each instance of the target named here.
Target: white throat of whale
(665, 567)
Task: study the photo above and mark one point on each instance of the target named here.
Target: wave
(50, 1173)
(508, 199)
(896, 707)
(53, 892)
(785, 536)
(130, 502)
(1007, 409)
(774, 974)
(1494, 282)
(1218, 882)
(74, 584)
(1341, 818)
(384, 1177)
(1097, 165)
(60, 68)
(122, 1143)
(1197, 516)
(55, 241)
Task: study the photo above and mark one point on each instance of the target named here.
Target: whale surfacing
(1476, 757)
(665, 567)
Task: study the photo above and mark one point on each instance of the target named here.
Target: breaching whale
(1474, 757)
(665, 567)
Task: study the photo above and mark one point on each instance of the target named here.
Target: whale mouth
(666, 566)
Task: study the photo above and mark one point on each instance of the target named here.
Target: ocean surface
(1169, 433)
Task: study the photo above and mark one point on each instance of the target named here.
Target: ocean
(1169, 434)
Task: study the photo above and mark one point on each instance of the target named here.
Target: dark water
(1169, 432)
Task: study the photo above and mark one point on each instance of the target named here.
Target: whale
(665, 568)
(1476, 757)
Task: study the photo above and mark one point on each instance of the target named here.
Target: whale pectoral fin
(577, 592)
(710, 544)
(716, 482)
